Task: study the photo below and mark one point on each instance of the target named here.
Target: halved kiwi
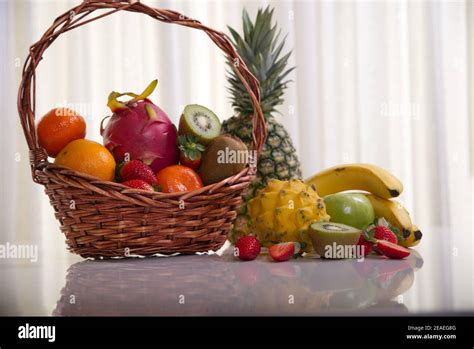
(200, 122)
(325, 234)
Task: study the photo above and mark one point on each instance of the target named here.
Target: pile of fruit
(289, 217)
(145, 151)
(285, 214)
(142, 149)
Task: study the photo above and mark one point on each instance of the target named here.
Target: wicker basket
(109, 219)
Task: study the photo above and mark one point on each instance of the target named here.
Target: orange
(59, 127)
(88, 157)
(178, 178)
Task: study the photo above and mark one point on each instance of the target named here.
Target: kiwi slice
(200, 122)
(324, 234)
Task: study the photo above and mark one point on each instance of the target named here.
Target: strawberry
(380, 232)
(186, 161)
(367, 246)
(135, 169)
(190, 151)
(283, 251)
(392, 250)
(384, 233)
(138, 184)
(247, 248)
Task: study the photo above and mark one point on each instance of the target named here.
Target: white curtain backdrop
(385, 82)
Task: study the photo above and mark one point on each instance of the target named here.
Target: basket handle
(78, 16)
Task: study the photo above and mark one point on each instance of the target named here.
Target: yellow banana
(398, 216)
(413, 239)
(365, 177)
(393, 212)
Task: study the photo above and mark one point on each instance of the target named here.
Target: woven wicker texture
(106, 219)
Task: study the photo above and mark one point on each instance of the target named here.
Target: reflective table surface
(221, 285)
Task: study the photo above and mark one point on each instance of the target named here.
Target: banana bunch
(383, 187)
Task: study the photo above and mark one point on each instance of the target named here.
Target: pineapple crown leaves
(261, 49)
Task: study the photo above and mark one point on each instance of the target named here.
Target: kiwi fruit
(200, 122)
(224, 156)
(325, 234)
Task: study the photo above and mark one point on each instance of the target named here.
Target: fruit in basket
(365, 177)
(138, 184)
(247, 248)
(352, 209)
(135, 169)
(190, 151)
(412, 237)
(326, 235)
(225, 156)
(58, 128)
(89, 157)
(199, 122)
(178, 178)
(282, 211)
(392, 250)
(140, 130)
(261, 49)
(393, 212)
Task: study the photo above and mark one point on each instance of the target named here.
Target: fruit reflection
(213, 285)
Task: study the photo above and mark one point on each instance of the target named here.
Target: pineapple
(283, 210)
(261, 48)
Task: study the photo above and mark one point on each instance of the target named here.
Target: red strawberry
(392, 250)
(135, 169)
(190, 151)
(282, 252)
(138, 184)
(186, 161)
(367, 246)
(247, 248)
(384, 233)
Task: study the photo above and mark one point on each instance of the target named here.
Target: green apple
(352, 209)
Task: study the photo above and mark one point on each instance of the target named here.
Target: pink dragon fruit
(140, 129)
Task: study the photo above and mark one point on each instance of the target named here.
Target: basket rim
(27, 90)
(96, 184)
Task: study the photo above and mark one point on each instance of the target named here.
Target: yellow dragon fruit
(283, 210)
